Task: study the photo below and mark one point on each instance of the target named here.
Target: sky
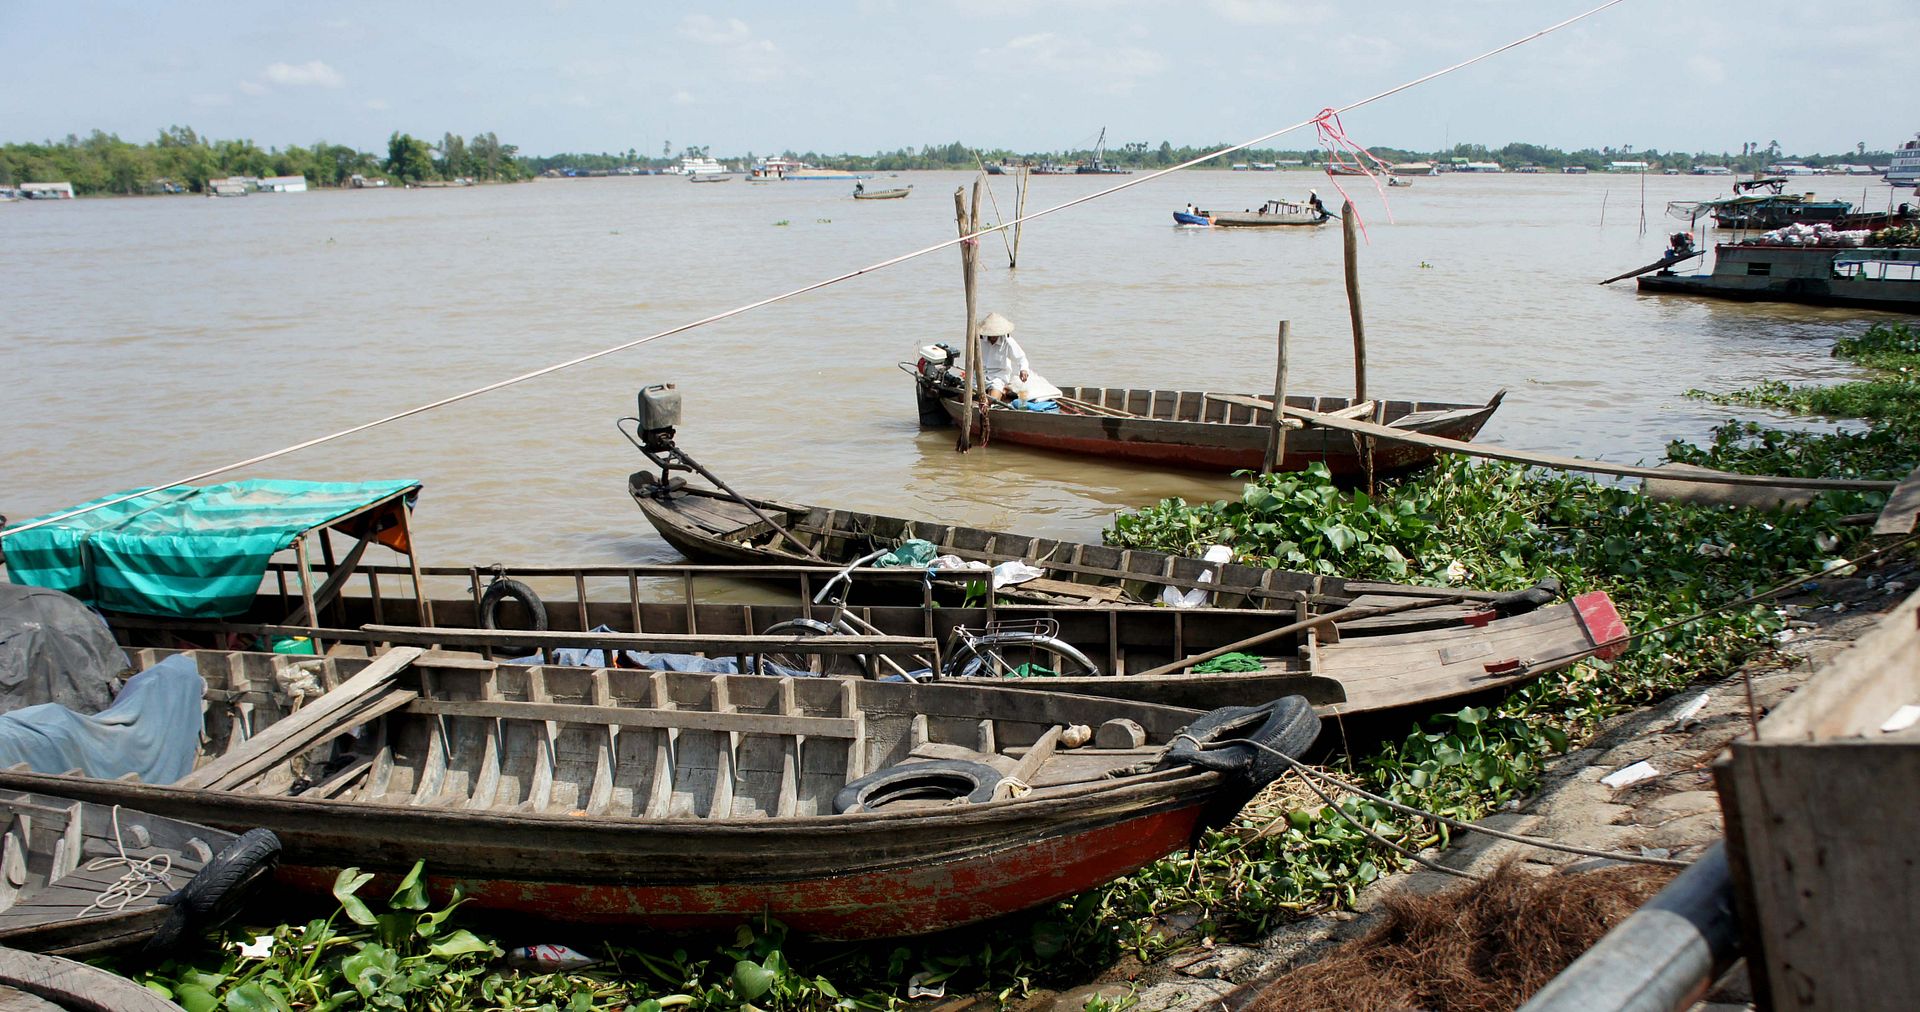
(874, 75)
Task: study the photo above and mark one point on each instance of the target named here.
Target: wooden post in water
(976, 380)
(1019, 212)
(1277, 432)
(965, 442)
(1350, 240)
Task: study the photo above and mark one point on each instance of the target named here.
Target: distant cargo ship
(1905, 170)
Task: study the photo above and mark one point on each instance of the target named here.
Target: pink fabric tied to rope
(1340, 148)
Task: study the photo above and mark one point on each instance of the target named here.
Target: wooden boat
(602, 796)
(1398, 649)
(82, 878)
(710, 177)
(1856, 277)
(1273, 213)
(893, 194)
(710, 526)
(1201, 430)
(33, 982)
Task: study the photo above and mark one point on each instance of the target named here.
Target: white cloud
(683, 97)
(377, 104)
(711, 31)
(253, 87)
(312, 72)
(752, 58)
(1268, 12)
(1110, 69)
(1707, 70)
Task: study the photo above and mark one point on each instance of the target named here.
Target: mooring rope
(137, 883)
(804, 289)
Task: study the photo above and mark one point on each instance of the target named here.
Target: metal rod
(1663, 957)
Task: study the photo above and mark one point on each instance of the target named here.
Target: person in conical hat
(1004, 364)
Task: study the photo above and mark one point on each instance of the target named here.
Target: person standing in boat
(1004, 364)
(1313, 201)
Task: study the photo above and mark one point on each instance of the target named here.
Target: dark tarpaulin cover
(53, 649)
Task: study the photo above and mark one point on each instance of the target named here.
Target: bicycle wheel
(784, 662)
(1017, 655)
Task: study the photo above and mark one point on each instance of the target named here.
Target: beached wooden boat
(711, 526)
(893, 194)
(79, 878)
(683, 801)
(1399, 650)
(1204, 430)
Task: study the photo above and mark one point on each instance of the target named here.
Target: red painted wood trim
(1603, 624)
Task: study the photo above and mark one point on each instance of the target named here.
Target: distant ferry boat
(1905, 170)
(791, 168)
(698, 167)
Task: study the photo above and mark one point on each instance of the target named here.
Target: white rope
(804, 289)
(137, 883)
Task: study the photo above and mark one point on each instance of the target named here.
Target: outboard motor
(937, 374)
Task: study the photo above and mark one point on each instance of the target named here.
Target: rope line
(804, 289)
(137, 883)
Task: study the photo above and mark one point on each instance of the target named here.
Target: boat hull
(1224, 445)
(1811, 292)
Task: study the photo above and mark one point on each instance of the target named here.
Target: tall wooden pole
(1277, 434)
(976, 380)
(1019, 212)
(965, 442)
(1350, 240)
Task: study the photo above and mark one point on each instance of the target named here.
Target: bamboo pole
(1019, 212)
(306, 590)
(965, 442)
(976, 380)
(1277, 434)
(1350, 241)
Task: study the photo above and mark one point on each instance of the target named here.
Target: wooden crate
(1823, 832)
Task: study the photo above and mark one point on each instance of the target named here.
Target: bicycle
(986, 653)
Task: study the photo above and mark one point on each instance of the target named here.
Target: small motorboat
(894, 194)
(1272, 213)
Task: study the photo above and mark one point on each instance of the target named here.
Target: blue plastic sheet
(151, 730)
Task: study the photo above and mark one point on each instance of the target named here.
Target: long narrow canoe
(695, 801)
(1390, 665)
(1201, 430)
(710, 526)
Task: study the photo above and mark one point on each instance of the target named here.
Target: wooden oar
(1562, 463)
(1272, 634)
(1036, 757)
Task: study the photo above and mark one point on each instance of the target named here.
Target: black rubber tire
(500, 589)
(1287, 725)
(1522, 601)
(214, 895)
(799, 661)
(938, 778)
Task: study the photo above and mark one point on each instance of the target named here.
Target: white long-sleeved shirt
(1003, 361)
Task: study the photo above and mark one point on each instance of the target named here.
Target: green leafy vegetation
(180, 160)
(1498, 526)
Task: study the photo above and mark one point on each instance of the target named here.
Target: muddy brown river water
(147, 339)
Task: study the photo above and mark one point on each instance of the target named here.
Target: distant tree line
(180, 160)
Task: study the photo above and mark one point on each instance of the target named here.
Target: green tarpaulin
(195, 552)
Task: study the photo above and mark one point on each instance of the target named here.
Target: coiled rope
(805, 289)
(137, 882)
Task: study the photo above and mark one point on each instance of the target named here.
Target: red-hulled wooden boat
(682, 800)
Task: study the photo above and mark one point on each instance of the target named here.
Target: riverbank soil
(1671, 813)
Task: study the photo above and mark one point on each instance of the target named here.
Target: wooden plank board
(635, 716)
(77, 986)
(665, 642)
(348, 695)
(1902, 512)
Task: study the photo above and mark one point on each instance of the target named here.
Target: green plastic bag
(913, 553)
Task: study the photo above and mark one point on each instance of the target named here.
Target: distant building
(360, 182)
(47, 191)
(1573, 170)
(1712, 170)
(1479, 167)
(1628, 166)
(232, 186)
(1529, 169)
(284, 184)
